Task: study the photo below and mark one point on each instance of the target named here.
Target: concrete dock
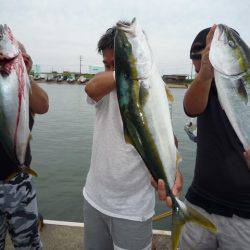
(60, 235)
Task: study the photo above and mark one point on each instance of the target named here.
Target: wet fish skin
(146, 118)
(230, 57)
(14, 99)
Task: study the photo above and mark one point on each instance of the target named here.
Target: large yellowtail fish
(14, 99)
(146, 118)
(230, 57)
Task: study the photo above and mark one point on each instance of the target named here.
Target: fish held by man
(144, 108)
(230, 58)
(14, 99)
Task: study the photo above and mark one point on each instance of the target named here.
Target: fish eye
(232, 44)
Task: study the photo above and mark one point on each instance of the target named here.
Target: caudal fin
(183, 214)
(162, 216)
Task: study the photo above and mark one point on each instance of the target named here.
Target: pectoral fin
(131, 136)
(169, 95)
(241, 90)
(30, 171)
(162, 216)
(143, 94)
(178, 158)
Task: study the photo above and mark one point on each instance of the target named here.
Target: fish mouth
(230, 38)
(5, 65)
(2, 31)
(8, 45)
(223, 29)
(127, 27)
(6, 59)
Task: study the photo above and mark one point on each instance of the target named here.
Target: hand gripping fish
(146, 118)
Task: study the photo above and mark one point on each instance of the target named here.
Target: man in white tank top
(119, 199)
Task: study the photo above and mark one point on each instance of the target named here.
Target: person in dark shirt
(18, 205)
(221, 185)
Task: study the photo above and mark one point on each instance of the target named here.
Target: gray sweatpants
(102, 232)
(233, 233)
(18, 213)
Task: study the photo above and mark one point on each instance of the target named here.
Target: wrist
(203, 79)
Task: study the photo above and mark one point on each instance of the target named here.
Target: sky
(56, 32)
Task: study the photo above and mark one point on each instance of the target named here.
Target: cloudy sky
(57, 32)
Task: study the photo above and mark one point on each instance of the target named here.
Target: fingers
(210, 35)
(209, 38)
(169, 202)
(162, 193)
(153, 182)
(178, 184)
(161, 190)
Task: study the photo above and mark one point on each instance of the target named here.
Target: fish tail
(30, 171)
(162, 216)
(27, 170)
(182, 214)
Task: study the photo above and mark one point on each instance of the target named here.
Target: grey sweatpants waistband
(103, 232)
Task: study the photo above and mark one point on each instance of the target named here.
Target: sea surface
(61, 150)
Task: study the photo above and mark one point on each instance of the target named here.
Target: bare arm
(100, 85)
(39, 101)
(196, 97)
(38, 98)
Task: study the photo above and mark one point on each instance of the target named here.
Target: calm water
(61, 149)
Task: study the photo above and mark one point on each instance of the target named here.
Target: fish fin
(127, 138)
(30, 171)
(30, 137)
(178, 158)
(162, 216)
(40, 222)
(10, 177)
(131, 134)
(183, 214)
(169, 95)
(241, 90)
(27, 170)
(143, 94)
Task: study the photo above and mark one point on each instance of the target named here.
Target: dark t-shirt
(221, 183)
(7, 167)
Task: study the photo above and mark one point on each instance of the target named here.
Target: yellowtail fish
(14, 99)
(144, 109)
(230, 57)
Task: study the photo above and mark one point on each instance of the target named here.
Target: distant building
(36, 69)
(49, 77)
(94, 69)
(174, 78)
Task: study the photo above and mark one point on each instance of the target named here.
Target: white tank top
(118, 182)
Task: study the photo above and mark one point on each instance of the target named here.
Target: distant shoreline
(183, 85)
(170, 85)
(60, 83)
